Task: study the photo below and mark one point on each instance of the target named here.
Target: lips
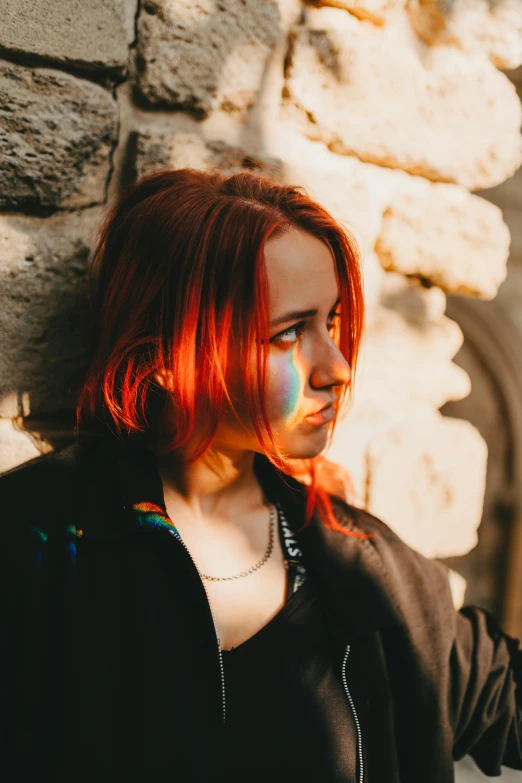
(328, 405)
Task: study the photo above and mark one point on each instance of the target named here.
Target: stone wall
(390, 112)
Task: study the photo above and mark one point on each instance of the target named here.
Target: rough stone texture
(475, 26)
(420, 472)
(438, 232)
(374, 10)
(363, 99)
(17, 445)
(348, 199)
(90, 36)
(405, 371)
(350, 190)
(435, 500)
(416, 303)
(455, 240)
(404, 363)
(383, 96)
(130, 13)
(458, 589)
(56, 136)
(205, 56)
(179, 150)
(44, 319)
(348, 194)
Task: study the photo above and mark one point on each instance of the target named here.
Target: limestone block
(130, 12)
(357, 425)
(14, 404)
(403, 363)
(373, 278)
(452, 238)
(347, 194)
(356, 194)
(182, 149)
(416, 303)
(457, 587)
(404, 372)
(45, 315)
(381, 95)
(18, 446)
(205, 56)
(365, 196)
(437, 232)
(374, 10)
(56, 136)
(475, 26)
(426, 479)
(445, 235)
(91, 36)
(350, 194)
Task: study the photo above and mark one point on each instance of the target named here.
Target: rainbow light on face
(290, 385)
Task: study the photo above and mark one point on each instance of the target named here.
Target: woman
(188, 597)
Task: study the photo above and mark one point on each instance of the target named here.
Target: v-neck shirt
(286, 708)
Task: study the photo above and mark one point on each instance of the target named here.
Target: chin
(309, 448)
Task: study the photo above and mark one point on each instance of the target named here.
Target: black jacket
(109, 658)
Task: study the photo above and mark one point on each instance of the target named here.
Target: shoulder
(50, 472)
(382, 536)
(35, 472)
(416, 581)
(31, 492)
(358, 519)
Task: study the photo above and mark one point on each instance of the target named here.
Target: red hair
(180, 263)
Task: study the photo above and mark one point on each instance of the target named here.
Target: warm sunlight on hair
(180, 270)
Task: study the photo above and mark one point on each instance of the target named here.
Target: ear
(164, 378)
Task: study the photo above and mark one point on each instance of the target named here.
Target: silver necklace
(263, 560)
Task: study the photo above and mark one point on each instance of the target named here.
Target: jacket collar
(349, 571)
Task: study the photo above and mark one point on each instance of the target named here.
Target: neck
(212, 486)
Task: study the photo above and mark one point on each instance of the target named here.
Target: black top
(286, 708)
(109, 661)
(287, 711)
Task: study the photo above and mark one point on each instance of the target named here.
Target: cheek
(286, 387)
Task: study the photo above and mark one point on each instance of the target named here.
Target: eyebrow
(295, 315)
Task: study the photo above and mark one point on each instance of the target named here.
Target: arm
(486, 692)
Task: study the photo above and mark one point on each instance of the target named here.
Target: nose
(332, 370)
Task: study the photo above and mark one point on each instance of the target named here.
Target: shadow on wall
(46, 324)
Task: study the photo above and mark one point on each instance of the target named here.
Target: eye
(279, 338)
(298, 329)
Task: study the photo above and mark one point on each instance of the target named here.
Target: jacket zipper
(356, 719)
(178, 537)
(347, 652)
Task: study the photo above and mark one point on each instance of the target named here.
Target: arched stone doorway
(492, 356)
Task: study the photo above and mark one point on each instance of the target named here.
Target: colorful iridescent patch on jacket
(40, 537)
(150, 515)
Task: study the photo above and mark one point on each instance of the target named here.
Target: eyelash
(299, 327)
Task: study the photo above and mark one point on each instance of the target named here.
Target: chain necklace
(263, 559)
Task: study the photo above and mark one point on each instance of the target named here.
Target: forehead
(300, 270)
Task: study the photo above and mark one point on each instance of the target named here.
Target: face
(305, 366)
